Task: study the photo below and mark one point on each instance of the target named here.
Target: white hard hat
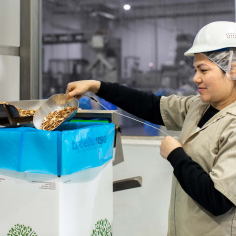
(214, 36)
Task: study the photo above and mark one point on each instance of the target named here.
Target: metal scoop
(54, 103)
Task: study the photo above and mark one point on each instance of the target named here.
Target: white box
(46, 205)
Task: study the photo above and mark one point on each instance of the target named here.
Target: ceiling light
(127, 7)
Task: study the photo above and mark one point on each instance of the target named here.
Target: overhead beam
(151, 9)
(173, 10)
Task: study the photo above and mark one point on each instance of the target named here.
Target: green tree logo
(21, 230)
(102, 228)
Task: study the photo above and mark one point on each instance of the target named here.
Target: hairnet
(225, 59)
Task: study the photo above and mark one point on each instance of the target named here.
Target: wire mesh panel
(139, 44)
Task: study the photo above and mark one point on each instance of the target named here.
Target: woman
(203, 196)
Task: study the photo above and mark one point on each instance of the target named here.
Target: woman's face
(213, 85)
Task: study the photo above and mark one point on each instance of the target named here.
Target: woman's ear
(232, 71)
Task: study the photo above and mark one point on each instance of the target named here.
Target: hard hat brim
(199, 49)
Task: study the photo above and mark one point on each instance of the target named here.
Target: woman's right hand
(78, 88)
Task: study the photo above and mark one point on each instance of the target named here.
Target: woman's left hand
(168, 145)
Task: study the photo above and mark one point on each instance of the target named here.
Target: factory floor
(142, 211)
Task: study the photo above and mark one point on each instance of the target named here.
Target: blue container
(151, 131)
(85, 103)
(107, 104)
(71, 148)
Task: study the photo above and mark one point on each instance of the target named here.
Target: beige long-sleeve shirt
(214, 148)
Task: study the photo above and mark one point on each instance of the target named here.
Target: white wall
(9, 78)
(10, 23)
(142, 211)
(9, 36)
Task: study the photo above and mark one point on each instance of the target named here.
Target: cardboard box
(45, 205)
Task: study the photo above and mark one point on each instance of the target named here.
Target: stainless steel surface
(54, 103)
(124, 184)
(30, 49)
(9, 113)
(9, 51)
(137, 178)
(119, 155)
(25, 105)
(28, 104)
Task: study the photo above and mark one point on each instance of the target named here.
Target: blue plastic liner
(71, 148)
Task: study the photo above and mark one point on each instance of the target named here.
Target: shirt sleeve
(174, 110)
(141, 104)
(223, 173)
(197, 183)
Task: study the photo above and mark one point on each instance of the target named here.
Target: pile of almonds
(55, 118)
(25, 113)
(52, 120)
(22, 113)
(4, 103)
